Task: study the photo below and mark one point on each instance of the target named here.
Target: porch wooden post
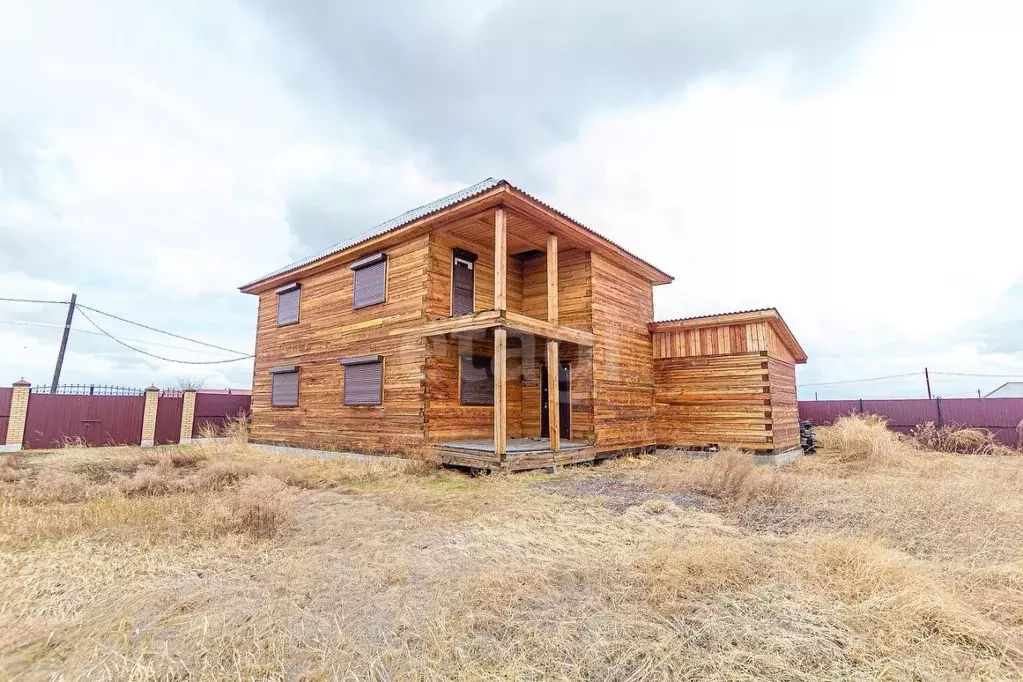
(553, 395)
(500, 260)
(500, 394)
(552, 278)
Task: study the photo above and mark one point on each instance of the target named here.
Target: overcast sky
(856, 164)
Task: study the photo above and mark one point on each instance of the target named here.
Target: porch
(521, 453)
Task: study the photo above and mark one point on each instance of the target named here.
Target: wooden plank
(553, 396)
(501, 393)
(552, 278)
(500, 260)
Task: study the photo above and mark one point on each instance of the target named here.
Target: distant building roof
(1010, 389)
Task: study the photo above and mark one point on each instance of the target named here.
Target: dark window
(476, 376)
(370, 280)
(364, 380)
(284, 389)
(463, 283)
(287, 304)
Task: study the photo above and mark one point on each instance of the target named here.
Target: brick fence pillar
(187, 415)
(16, 420)
(149, 417)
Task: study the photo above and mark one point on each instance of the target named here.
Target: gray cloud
(481, 88)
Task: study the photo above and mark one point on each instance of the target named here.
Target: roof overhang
(769, 315)
(478, 198)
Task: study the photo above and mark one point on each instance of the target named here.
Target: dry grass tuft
(148, 481)
(954, 439)
(261, 507)
(863, 438)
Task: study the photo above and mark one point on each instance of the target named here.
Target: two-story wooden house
(504, 334)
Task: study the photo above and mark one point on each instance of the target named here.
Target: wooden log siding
(288, 299)
(727, 384)
(363, 380)
(370, 287)
(623, 381)
(330, 329)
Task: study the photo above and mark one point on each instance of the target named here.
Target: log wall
(328, 329)
(731, 385)
(623, 382)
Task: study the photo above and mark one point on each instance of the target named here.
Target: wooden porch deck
(523, 454)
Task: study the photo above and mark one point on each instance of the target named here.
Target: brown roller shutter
(370, 280)
(463, 284)
(287, 304)
(477, 380)
(364, 378)
(284, 389)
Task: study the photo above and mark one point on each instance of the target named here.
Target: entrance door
(564, 401)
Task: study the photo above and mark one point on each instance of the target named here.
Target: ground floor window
(284, 386)
(364, 380)
(476, 380)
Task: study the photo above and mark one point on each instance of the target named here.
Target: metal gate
(5, 412)
(168, 419)
(54, 420)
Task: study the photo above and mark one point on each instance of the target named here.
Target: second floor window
(287, 304)
(463, 283)
(370, 285)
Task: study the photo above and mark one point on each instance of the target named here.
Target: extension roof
(424, 213)
(770, 315)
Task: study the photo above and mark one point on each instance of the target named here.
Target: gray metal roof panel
(392, 224)
(427, 209)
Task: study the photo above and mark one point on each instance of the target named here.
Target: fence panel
(53, 420)
(168, 419)
(5, 412)
(213, 410)
(820, 412)
(1001, 416)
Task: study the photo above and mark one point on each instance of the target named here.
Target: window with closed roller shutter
(364, 380)
(287, 304)
(463, 283)
(370, 285)
(284, 387)
(476, 378)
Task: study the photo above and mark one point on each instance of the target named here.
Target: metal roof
(700, 317)
(392, 224)
(425, 210)
(1010, 389)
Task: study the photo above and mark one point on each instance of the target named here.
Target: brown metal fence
(5, 411)
(214, 410)
(55, 420)
(1000, 416)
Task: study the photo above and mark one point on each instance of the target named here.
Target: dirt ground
(874, 559)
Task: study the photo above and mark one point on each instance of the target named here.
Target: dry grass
(882, 560)
(967, 441)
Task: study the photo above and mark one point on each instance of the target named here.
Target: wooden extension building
(499, 332)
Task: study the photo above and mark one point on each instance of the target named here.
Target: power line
(31, 300)
(161, 331)
(858, 381)
(139, 350)
(77, 330)
(989, 376)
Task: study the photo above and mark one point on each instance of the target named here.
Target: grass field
(873, 559)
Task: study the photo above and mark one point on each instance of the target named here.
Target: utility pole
(927, 376)
(978, 393)
(63, 344)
